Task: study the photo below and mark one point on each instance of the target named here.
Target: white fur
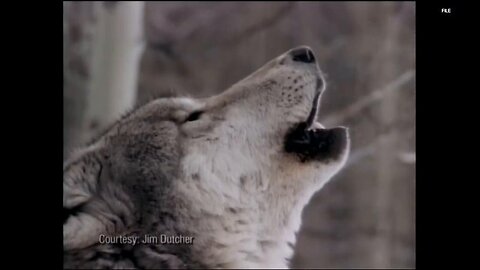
(277, 186)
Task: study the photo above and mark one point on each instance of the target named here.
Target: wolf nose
(303, 54)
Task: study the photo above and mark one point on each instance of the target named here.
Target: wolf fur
(215, 169)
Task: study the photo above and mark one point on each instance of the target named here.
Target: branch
(354, 108)
(359, 154)
(363, 152)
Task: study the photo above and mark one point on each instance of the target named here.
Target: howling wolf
(218, 182)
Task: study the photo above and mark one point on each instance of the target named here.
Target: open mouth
(310, 141)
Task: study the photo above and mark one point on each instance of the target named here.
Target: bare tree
(103, 43)
(78, 25)
(118, 44)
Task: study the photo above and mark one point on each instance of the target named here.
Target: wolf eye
(194, 116)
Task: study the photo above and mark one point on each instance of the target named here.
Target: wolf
(230, 173)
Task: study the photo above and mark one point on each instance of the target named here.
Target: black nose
(304, 55)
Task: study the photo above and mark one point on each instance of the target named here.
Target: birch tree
(117, 47)
(78, 25)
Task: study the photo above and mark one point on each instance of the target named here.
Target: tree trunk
(118, 44)
(78, 25)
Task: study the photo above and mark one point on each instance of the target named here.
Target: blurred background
(117, 54)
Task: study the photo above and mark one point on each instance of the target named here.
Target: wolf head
(233, 170)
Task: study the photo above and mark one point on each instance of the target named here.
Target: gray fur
(224, 179)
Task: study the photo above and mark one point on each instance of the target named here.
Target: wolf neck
(242, 231)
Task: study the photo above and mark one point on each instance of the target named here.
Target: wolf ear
(80, 181)
(93, 204)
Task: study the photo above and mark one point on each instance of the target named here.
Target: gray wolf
(224, 178)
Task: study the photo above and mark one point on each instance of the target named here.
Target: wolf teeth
(316, 126)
